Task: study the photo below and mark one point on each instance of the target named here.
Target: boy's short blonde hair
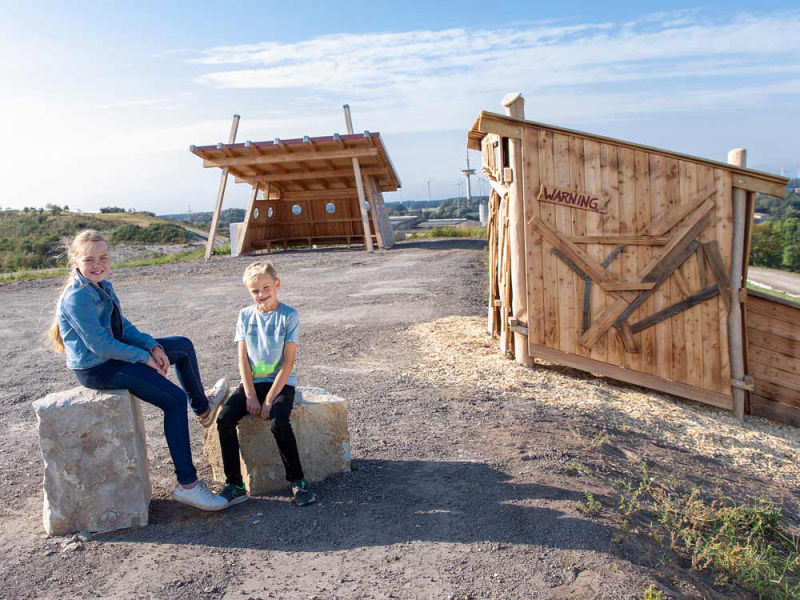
(260, 267)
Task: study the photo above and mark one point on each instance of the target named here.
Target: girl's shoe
(200, 497)
(216, 396)
(234, 494)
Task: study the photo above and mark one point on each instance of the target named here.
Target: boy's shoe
(199, 497)
(234, 494)
(216, 396)
(301, 495)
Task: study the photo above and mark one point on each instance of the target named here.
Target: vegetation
(157, 233)
(776, 241)
(782, 295)
(452, 232)
(202, 220)
(743, 543)
(450, 208)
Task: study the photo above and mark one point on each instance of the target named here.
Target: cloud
(695, 57)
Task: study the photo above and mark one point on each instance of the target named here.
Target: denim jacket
(84, 318)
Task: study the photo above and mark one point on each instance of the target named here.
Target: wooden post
(244, 234)
(515, 107)
(212, 233)
(359, 187)
(738, 157)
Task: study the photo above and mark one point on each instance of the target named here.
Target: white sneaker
(199, 497)
(216, 396)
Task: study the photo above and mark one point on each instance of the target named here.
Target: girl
(105, 352)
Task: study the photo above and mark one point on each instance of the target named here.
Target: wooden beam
(359, 185)
(737, 156)
(674, 309)
(373, 209)
(675, 215)
(628, 240)
(223, 181)
(290, 157)
(628, 341)
(626, 286)
(248, 217)
(308, 174)
(714, 258)
(603, 322)
(682, 236)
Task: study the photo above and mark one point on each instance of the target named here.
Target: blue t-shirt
(265, 334)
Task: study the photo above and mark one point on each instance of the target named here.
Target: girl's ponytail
(87, 236)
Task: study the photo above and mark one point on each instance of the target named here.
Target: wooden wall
(685, 354)
(773, 356)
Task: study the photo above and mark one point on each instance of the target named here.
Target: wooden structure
(624, 262)
(773, 357)
(310, 190)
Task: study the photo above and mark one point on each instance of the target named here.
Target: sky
(100, 101)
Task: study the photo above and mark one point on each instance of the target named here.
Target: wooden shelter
(310, 190)
(620, 259)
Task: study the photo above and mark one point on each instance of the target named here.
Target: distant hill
(202, 220)
(34, 238)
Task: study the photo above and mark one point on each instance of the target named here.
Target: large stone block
(319, 420)
(96, 472)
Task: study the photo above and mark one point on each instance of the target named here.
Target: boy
(267, 335)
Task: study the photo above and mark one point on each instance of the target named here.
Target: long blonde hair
(73, 248)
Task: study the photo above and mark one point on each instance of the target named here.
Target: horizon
(106, 119)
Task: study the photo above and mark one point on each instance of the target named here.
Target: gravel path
(462, 486)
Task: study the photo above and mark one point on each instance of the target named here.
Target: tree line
(776, 241)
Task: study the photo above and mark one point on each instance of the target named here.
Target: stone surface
(96, 472)
(319, 420)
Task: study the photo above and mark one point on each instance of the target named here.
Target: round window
(255, 213)
(296, 209)
(270, 212)
(366, 206)
(330, 208)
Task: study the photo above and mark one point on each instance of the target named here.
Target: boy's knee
(280, 427)
(225, 421)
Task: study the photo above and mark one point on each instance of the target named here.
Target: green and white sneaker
(301, 495)
(234, 494)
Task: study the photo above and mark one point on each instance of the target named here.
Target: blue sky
(99, 101)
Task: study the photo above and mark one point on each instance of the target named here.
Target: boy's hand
(265, 410)
(253, 407)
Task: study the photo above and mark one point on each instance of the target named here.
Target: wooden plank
(567, 314)
(720, 272)
(577, 181)
(212, 231)
(777, 392)
(609, 177)
(624, 286)
(724, 235)
(310, 175)
(777, 411)
(645, 253)
(709, 319)
(533, 243)
(693, 336)
(626, 239)
(676, 308)
(666, 221)
(283, 158)
(767, 324)
(677, 322)
(628, 339)
(627, 375)
(680, 280)
(774, 359)
(778, 343)
(549, 262)
(772, 307)
(772, 375)
(603, 322)
(701, 266)
(593, 183)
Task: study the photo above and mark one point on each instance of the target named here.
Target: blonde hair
(72, 248)
(260, 267)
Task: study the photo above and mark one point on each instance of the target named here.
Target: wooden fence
(773, 357)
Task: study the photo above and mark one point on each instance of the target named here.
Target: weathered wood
(223, 181)
(603, 322)
(676, 308)
(665, 222)
(777, 411)
(738, 157)
(571, 198)
(701, 266)
(627, 375)
(714, 259)
(683, 285)
(627, 337)
(359, 183)
(245, 233)
(533, 244)
(628, 240)
(629, 286)
(569, 263)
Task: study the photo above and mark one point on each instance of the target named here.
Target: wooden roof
(305, 164)
(505, 126)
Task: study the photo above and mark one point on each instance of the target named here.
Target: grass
(188, 256)
(771, 292)
(448, 232)
(653, 593)
(745, 544)
(591, 507)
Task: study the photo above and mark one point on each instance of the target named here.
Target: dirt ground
(464, 484)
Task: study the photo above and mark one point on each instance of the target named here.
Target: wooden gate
(627, 253)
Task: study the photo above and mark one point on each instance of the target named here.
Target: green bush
(156, 233)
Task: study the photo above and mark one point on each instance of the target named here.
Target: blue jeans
(149, 385)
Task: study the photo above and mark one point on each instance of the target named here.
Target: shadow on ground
(386, 502)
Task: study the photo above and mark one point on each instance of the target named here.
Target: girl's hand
(151, 362)
(161, 359)
(253, 407)
(265, 410)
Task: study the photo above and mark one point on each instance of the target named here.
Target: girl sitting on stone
(105, 351)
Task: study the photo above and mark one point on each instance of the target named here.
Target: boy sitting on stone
(267, 335)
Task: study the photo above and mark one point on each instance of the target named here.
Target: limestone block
(319, 420)
(96, 472)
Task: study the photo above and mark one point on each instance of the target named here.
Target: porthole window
(330, 208)
(255, 213)
(366, 206)
(270, 212)
(296, 209)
